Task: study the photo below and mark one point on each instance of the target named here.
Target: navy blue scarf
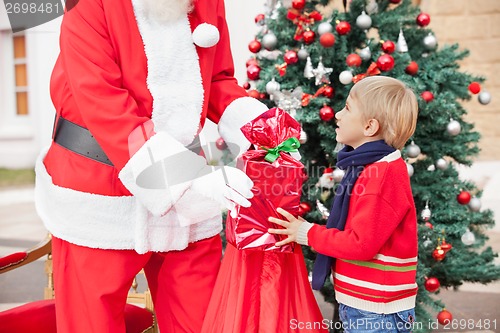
(353, 162)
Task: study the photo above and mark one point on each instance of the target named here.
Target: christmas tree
(306, 63)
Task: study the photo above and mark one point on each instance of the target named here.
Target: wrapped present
(277, 178)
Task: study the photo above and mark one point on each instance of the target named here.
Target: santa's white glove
(226, 185)
(237, 114)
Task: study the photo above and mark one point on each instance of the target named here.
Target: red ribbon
(302, 20)
(306, 98)
(372, 70)
(282, 68)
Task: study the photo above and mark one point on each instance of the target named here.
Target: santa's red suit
(117, 71)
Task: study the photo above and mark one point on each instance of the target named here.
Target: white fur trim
(174, 77)
(390, 307)
(206, 35)
(148, 175)
(304, 228)
(120, 222)
(238, 113)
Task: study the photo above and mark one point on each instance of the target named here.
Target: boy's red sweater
(376, 254)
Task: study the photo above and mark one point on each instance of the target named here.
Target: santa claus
(123, 186)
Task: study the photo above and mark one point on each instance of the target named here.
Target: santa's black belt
(79, 140)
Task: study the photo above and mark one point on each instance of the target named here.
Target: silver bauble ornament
(345, 77)
(338, 174)
(413, 150)
(442, 164)
(303, 53)
(430, 42)
(269, 41)
(303, 137)
(272, 86)
(484, 97)
(364, 21)
(324, 27)
(468, 238)
(426, 214)
(475, 204)
(427, 243)
(401, 45)
(365, 53)
(453, 128)
(410, 169)
(431, 168)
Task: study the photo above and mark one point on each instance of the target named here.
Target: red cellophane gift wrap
(277, 178)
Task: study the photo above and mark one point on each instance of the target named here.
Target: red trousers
(91, 285)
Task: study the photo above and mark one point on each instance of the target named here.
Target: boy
(372, 228)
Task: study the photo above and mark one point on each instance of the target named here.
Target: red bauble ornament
(353, 60)
(463, 198)
(427, 96)
(385, 62)
(328, 92)
(308, 36)
(291, 57)
(254, 46)
(304, 208)
(432, 284)
(444, 317)
(395, 1)
(252, 61)
(388, 46)
(474, 87)
(412, 68)
(343, 28)
(260, 18)
(220, 144)
(326, 113)
(246, 85)
(254, 93)
(429, 225)
(253, 72)
(327, 39)
(262, 96)
(438, 254)
(298, 4)
(423, 19)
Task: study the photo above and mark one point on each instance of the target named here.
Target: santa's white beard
(167, 10)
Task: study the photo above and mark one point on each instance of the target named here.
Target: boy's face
(352, 129)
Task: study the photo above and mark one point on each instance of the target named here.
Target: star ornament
(322, 73)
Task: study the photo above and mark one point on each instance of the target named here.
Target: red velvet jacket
(106, 80)
(108, 95)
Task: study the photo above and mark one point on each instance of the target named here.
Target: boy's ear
(372, 127)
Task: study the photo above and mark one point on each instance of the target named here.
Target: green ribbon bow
(290, 145)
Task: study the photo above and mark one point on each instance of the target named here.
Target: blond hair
(391, 103)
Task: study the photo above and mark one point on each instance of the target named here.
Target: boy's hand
(291, 226)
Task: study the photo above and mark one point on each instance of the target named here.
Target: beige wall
(475, 25)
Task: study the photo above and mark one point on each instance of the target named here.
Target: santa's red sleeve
(109, 111)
